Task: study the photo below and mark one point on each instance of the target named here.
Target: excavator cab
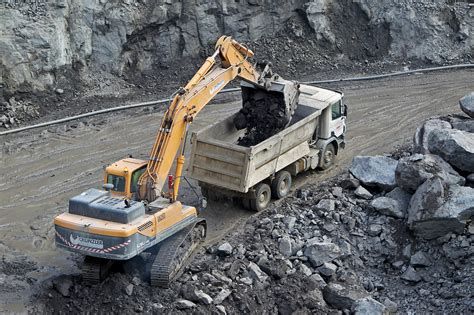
(124, 175)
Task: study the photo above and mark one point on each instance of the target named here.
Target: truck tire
(328, 156)
(281, 184)
(263, 195)
(246, 203)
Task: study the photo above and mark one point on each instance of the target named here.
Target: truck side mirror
(345, 110)
(108, 186)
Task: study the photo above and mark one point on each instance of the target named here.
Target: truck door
(338, 122)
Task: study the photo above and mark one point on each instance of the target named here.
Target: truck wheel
(263, 195)
(281, 184)
(328, 156)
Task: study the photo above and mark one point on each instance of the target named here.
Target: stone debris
(256, 273)
(414, 170)
(327, 269)
(129, 289)
(15, 112)
(454, 146)
(285, 246)
(326, 205)
(391, 306)
(420, 259)
(411, 275)
(422, 133)
(320, 253)
(401, 197)
(350, 183)
(368, 306)
(377, 171)
(184, 304)
(467, 104)
(363, 193)
(437, 209)
(63, 285)
(388, 206)
(462, 123)
(342, 295)
(224, 249)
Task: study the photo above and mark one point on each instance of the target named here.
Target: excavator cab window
(135, 177)
(117, 181)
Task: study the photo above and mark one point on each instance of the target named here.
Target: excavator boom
(186, 104)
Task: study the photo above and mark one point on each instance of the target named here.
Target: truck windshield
(117, 181)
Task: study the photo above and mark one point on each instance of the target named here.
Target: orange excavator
(133, 213)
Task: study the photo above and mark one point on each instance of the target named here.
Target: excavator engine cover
(99, 204)
(266, 111)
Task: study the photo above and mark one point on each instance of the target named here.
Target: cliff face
(36, 40)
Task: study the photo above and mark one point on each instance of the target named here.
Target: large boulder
(454, 146)
(467, 104)
(420, 138)
(343, 295)
(428, 197)
(400, 196)
(414, 170)
(368, 306)
(320, 253)
(463, 123)
(388, 206)
(378, 171)
(437, 208)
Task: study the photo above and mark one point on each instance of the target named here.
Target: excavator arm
(186, 104)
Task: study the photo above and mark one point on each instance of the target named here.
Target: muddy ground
(43, 168)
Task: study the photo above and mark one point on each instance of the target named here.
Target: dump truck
(255, 174)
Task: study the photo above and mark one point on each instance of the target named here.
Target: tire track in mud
(39, 179)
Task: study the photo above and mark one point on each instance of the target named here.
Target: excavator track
(94, 270)
(174, 253)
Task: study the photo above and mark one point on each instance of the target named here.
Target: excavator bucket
(266, 110)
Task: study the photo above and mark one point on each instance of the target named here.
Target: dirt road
(42, 169)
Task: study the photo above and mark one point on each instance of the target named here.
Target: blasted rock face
(414, 170)
(420, 138)
(467, 104)
(454, 146)
(378, 171)
(437, 208)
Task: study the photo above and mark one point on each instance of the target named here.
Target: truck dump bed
(217, 159)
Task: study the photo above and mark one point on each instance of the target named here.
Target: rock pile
(15, 112)
(403, 243)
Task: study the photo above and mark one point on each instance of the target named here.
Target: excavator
(134, 213)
